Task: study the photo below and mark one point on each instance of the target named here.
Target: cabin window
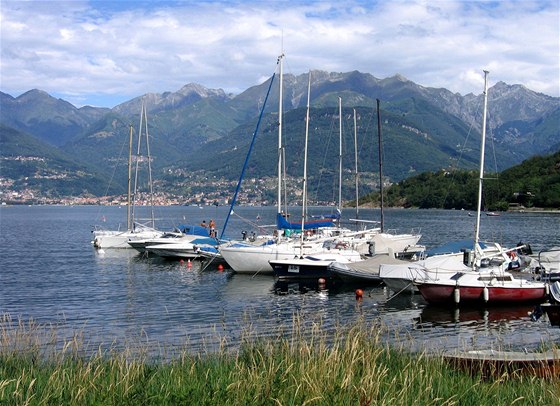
(504, 278)
(457, 276)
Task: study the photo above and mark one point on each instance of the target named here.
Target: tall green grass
(308, 366)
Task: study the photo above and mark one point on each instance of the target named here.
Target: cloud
(106, 52)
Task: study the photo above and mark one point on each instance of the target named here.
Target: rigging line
(233, 201)
(364, 142)
(125, 142)
(334, 121)
(459, 159)
(285, 182)
(252, 223)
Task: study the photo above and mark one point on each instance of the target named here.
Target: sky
(102, 53)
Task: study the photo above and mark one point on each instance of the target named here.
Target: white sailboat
(482, 278)
(311, 263)
(378, 245)
(135, 230)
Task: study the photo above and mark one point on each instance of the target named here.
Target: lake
(51, 274)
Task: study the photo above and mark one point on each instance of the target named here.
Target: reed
(306, 366)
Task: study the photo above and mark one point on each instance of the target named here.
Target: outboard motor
(525, 248)
(537, 313)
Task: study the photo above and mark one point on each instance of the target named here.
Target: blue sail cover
(193, 230)
(284, 224)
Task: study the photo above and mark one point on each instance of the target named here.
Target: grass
(306, 367)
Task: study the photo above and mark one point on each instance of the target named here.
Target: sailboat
(482, 278)
(312, 262)
(252, 257)
(377, 240)
(134, 230)
(382, 247)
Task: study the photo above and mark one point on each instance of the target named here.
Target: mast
(280, 146)
(150, 182)
(481, 171)
(304, 204)
(340, 154)
(380, 151)
(129, 200)
(356, 162)
(137, 162)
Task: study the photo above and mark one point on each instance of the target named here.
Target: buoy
(189, 264)
(220, 267)
(457, 295)
(359, 294)
(485, 294)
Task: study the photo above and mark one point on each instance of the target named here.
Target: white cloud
(104, 52)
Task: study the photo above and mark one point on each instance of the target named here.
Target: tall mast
(280, 146)
(140, 128)
(304, 204)
(380, 151)
(356, 163)
(340, 154)
(481, 171)
(129, 200)
(150, 181)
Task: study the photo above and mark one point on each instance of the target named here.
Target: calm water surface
(51, 274)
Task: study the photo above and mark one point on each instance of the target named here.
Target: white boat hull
(250, 259)
(120, 239)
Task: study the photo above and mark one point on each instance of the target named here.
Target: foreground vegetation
(534, 183)
(353, 367)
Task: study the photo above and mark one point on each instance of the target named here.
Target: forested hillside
(534, 183)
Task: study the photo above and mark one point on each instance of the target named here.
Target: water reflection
(449, 316)
(303, 286)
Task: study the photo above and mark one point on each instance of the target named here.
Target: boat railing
(434, 274)
(549, 256)
(98, 228)
(394, 231)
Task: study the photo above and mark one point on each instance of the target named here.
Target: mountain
(197, 131)
(53, 120)
(31, 164)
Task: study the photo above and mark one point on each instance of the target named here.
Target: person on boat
(203, 224)
(212, 228)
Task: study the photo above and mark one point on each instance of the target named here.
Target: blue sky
(103, 53)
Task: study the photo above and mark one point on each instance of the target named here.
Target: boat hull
(496, 364)
(399, 285)
(173, 253)
(443, 294)
(291, 269)
(252, 260)
(384, 243)
(367, 271)
(112, 239)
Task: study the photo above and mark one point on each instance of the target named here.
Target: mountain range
(205, 133)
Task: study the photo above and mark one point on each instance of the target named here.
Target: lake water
(51, 274)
